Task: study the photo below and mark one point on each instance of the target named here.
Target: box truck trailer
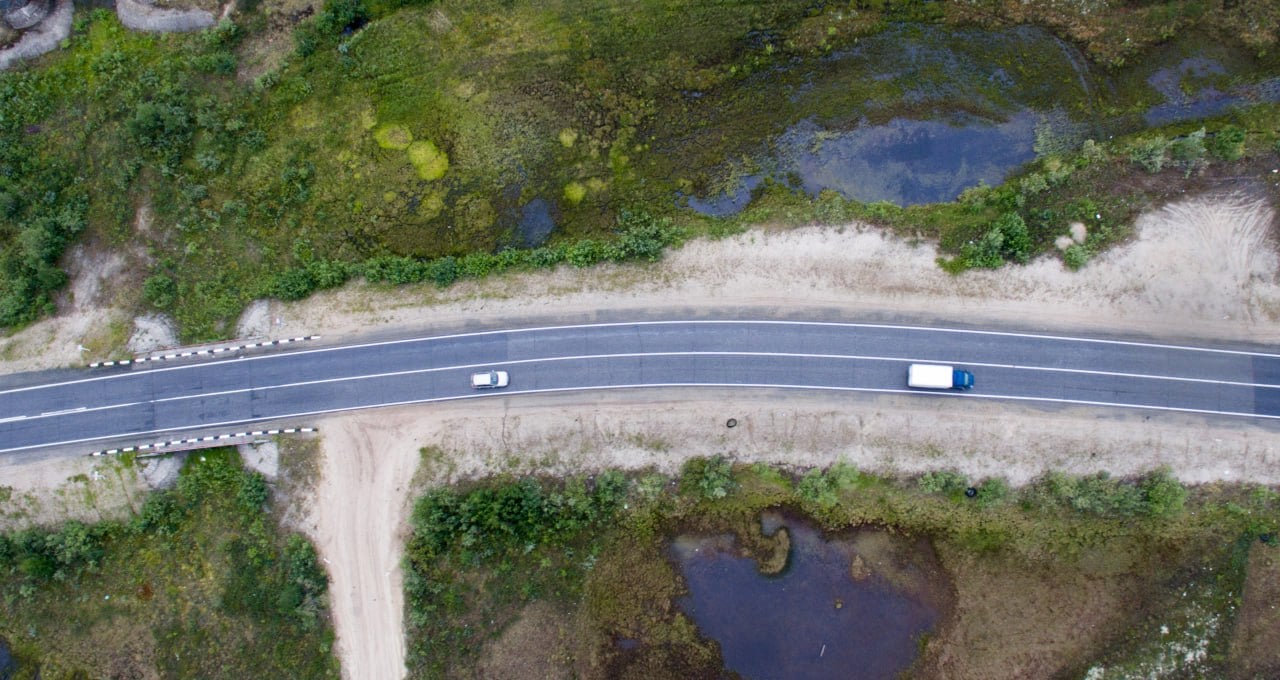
(938, 377)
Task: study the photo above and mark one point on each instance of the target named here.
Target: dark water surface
(909, 161)
(8, 666)
(1206, 102)
(536, 222)
(812, 621)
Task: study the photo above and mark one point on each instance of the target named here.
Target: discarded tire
(732, 422)
(970, 492)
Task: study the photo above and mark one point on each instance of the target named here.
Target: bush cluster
(1008, 240)
(1156, 495)
(43, 555)
(338, 17)
(708, 478)
(639, 236)
(487, 520)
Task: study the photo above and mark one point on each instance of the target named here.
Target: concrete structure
(23, 14)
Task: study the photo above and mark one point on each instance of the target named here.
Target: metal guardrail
(198, 442)
(202, 352)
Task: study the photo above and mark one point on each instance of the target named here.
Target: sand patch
(1201, 269)
(52, 490)
(357, 524)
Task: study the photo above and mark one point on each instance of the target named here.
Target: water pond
(853, 606)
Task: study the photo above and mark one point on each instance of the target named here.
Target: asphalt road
(138, 404)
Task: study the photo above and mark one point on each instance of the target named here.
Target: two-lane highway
(143, 401)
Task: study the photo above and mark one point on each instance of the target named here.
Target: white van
(936, 377)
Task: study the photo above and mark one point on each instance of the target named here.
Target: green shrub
(443, 271)
(223, 34)
(1076, 256)
(985, 252)
(476, 265)
(159, 291)
(160, 514)
(253, 492)
(547, 257)
(710, 478)
(587, 252)
(1150, 153)
(1228, 143)
(993, 492)
(818, 488)
(293, 284)
(327, 274)
(1016, 240)
(1163, 495)
(1189, 151)
(162, 126)
(945, 482)
(1092, 152)
(643, 236)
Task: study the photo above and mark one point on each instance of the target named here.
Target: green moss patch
(430, 162)
(393, 137)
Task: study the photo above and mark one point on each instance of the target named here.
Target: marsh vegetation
(436, 141)
(604, 577)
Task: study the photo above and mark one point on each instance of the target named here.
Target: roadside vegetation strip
(177, 444)
(1057, 571)
(199, 581)
(214, 351)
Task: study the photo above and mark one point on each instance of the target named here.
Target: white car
(489, 379)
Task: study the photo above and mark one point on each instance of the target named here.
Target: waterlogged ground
(650, 577)
(853, 606)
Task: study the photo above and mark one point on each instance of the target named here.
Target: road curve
(140, 402)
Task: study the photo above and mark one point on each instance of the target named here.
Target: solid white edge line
(490, 394)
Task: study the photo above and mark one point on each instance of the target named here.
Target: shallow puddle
(908, 161)
(848, 607)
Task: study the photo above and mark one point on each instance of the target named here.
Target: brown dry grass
(1017, 620)
(1255, 644)
(538, 645)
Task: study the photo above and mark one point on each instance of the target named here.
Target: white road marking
(63, 412)
(623, 324)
